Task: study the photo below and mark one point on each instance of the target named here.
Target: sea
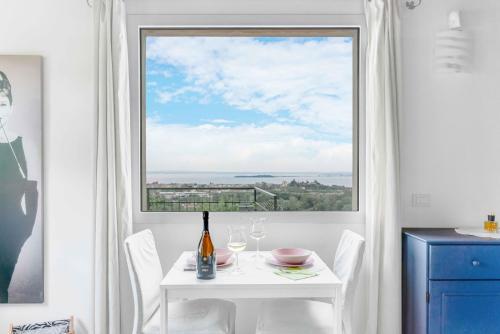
(330, 179)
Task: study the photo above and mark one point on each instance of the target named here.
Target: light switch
(420, 200)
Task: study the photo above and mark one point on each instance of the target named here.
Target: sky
(248, 104)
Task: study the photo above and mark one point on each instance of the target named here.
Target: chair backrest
(145, 275)
(347, 265)
(65, 326)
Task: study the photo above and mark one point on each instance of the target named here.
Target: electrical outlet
(420, 200)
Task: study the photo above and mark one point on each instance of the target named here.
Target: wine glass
(237, 243)
(258, 232)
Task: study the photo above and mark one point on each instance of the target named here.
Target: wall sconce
(453, 47)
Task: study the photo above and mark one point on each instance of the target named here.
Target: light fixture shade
(453, 47)
(453, 51)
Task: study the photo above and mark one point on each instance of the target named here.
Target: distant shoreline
(254, 174)
(249, 178)
(261, 176)
(230, 186)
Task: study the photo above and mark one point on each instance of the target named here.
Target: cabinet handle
(475, 263)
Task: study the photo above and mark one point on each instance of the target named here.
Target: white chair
(297, 316)
(206, 316)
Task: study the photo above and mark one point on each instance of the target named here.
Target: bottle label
(206, 266)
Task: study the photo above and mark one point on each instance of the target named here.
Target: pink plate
(223, 255)
(275, 262)
(227, 263)
(294, 256)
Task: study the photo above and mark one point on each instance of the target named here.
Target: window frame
(351, 23)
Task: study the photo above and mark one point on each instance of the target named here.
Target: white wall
(450, 123)
(60, 31)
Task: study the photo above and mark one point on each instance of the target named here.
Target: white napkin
(477, 232)
(190, 264)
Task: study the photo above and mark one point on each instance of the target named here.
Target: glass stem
(258, 249)
(237, 261)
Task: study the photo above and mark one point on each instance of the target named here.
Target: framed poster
(21, 196)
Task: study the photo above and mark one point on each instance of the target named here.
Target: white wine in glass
(237, 247)
(237, 243)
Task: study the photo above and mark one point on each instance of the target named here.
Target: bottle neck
(205, 225)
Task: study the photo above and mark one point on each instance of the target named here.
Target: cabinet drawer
(464, 262)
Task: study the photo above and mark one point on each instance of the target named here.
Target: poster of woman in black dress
(21, 246)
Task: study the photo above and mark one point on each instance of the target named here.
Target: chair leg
(347, 317)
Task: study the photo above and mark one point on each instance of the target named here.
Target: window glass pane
(244, 123)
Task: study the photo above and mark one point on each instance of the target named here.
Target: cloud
(220, 121)
(310, 81)
(164, 73)
(166, 96)
(246, 148)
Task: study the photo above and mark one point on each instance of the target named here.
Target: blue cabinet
(451, 283)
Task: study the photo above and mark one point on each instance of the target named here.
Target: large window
(247, 119)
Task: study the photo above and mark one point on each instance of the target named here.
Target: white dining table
(256, 282)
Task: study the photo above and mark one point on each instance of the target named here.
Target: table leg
(164, 311)
(337, 311)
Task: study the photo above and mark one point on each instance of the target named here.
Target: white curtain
(113, 164)
(383, 232)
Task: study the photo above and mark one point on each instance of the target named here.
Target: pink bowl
(222, 255)
(291, 255)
